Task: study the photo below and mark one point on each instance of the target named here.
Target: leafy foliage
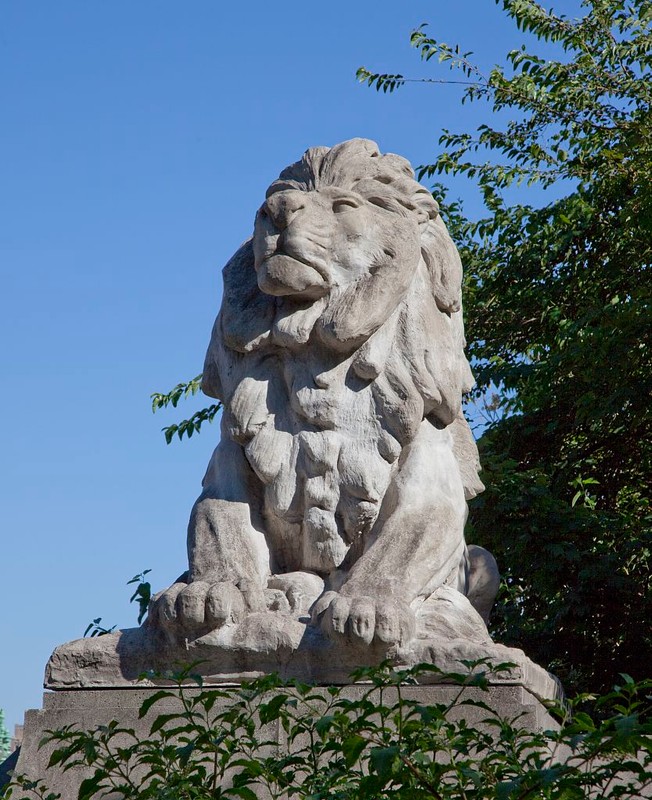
(5, 738)
(187, 426)
(180, 391)
(379, 741)
(559, 327)
(95, 628)
(142, 595)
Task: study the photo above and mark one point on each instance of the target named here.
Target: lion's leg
(417, 543)
(419, 537)
(227, 552)
(225, 534)
(483, 580)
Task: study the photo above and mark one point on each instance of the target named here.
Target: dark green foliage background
(558, 305)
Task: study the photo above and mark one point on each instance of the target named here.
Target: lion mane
(323, 418)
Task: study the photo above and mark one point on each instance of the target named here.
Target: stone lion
(339, 487)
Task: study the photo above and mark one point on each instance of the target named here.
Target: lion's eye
(344, 204)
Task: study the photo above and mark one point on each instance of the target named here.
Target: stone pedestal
(88, 709)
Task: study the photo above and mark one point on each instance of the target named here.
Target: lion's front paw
(192, 609)
(363, 618)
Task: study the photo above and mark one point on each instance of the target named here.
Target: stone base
(108, 677)
(449, 632)
(88, 709)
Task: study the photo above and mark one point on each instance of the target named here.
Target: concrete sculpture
(338, 355)
(330, 530)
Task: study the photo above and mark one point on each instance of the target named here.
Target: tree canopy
(5, 738)
(558, 322)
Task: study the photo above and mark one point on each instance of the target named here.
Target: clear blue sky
(137, 139)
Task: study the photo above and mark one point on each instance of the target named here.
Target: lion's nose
(283, 207)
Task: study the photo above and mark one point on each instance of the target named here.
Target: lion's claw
(196, 608)
(364, 619)
(224, 603)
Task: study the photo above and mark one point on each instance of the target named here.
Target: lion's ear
(244, 321)
(468, 458)
(247, 313)
(211, 383)
(444, 266)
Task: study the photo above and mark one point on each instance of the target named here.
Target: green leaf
(151, 700)
(352, 747)
(383, 760)
(270, 711)
(244, 792)
(161, 721)
(89, 786)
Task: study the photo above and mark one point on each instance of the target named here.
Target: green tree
(559, 328)
(5, 738)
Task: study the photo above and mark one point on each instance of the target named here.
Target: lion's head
(344, 220)
(335, 218)
(352, 281)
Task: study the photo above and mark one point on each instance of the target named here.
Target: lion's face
(308, 242)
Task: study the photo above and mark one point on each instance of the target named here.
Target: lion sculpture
(339, 485)
(329, 534)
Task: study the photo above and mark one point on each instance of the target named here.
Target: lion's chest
(331, 467)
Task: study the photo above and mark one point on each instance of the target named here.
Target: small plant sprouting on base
(378, 743)
(142, 595)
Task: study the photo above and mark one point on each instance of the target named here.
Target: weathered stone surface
(338, 355)
(283, 642)
(330, 529)
(86, 710)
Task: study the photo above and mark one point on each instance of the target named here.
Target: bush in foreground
(381, 744)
